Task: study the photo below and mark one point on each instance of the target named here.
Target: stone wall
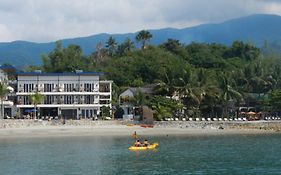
(42, 123)
(266, 125)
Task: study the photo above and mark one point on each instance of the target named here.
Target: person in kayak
(138, 143)
(146, 143)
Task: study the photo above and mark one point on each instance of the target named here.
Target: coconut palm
(143, 37)
(3, 93)
(165, 87)
(128, 45)
(227, 93)
(161, 111)
(36, 99)
(139, 99)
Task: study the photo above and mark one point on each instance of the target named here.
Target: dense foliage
(205, 77)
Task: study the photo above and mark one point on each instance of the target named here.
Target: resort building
(69, 95)
(126, 99)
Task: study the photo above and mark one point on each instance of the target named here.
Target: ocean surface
(176, 155)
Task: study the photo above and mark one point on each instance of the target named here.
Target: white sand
(114, 130)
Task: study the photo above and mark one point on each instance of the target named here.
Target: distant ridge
(255, 29)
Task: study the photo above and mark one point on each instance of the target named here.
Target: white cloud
(273, 8)
(5, 34)
(49, 20)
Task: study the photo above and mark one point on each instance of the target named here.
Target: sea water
(176, 155)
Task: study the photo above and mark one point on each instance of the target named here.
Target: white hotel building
(71, 95)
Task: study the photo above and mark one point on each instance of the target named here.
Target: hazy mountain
(255, 29)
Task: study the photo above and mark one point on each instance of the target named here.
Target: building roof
(148, 89)
(59, 74)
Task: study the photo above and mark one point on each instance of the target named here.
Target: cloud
(42, 21)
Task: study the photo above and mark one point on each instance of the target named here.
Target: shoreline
(115, 129)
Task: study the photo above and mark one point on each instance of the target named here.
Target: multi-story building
(71, 95)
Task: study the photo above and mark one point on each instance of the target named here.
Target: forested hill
(255, 29)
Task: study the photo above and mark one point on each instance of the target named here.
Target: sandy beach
(116, 130)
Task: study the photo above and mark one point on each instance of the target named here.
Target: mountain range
(255, 29)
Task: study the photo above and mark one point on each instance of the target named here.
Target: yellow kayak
(151, 146)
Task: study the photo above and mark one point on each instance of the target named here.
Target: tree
(36, 99)
(227, 93)
(172, 45)
(126, 46)
(119, 113)
(105, 112)
(3, 93)
(139, 99)
(161, 111)
(111, 46)
(143, 37)
(275, 99)
(64, 59)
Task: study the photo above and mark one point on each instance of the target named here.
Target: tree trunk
(2, 108)
(35, 112)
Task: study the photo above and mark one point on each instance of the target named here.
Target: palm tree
(128, 45)
(161, 111)
(36, 99)
(142, 37)
(228, 93)
(165, 87)
(139, 98)
(3, 93)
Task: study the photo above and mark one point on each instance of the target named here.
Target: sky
(51, 20)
